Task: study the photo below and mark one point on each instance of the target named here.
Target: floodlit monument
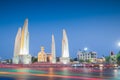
(53, 50)
(21, 47)
(42, 57)
(65, 59)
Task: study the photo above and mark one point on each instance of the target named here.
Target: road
(59, 74)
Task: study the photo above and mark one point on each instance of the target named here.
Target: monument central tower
(21, 48)
(65, 49)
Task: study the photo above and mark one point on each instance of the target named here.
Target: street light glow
(118, 43)
(85, 48)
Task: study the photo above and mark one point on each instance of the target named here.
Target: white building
(84, 55)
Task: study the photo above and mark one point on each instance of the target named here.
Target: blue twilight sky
(89, 23)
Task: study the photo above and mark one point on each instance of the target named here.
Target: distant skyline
(94, 24)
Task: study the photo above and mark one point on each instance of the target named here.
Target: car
(77, 65)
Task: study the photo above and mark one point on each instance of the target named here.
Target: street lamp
(119, 44)
(85, 49)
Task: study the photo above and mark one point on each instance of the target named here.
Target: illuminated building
(21, 48)
(49, 58)
(85, 56)
(42, 57)
(100, 60)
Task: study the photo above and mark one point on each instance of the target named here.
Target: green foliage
(107, 58)
(81, 60)
(71, 60)
(118, 58)
(88, 61)
(57, 59)
(75, 59)
(34, 59)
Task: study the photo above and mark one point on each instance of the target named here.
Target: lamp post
(85, 49)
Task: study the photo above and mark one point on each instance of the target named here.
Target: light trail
(52, 75)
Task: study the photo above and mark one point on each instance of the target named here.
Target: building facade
(49, 57)
(86, 56)
(42, 57)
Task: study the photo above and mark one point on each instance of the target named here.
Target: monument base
(65, 60)
(22, 59)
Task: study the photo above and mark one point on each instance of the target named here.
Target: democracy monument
(65, 49)
(21, 48)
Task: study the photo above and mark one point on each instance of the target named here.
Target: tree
(81, 60)
(88, 61)
(118, 58)
(71, 60)
(107, 59)
(57, 59)
(75, 59)
(34, 59)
